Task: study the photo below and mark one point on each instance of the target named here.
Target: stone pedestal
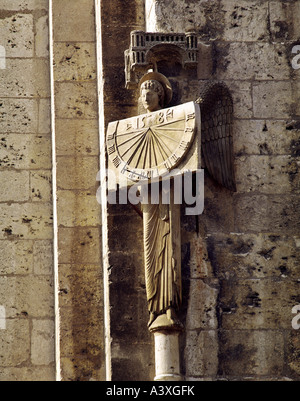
(166, 329)
(167, 361)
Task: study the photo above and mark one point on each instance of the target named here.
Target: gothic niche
(148, 49)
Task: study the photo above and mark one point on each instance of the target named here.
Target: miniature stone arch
(147, 49)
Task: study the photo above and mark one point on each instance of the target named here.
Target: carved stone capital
(164, 323)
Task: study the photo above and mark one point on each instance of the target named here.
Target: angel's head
(155, 91)
(152, 95)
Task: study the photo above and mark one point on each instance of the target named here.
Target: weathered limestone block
(257, 303)
(78, 208)
(293, 355)
(130, 310)
(68, 368)
(25, 151)
(67, 16)
(219, 209)
(16, 257)
(25, 78)
(42, 37)
(245, 21)
(295, 108)
(44, 124)
(284, 18)
(205, 63)
(266, 137)
(41, 186)
(119, 225)
(201, 311)
(254, 255)
(80, 244)
(122, 262)
(248, 61)
(201, 353)
(81, 346)
(272, 99)
(42, 342)
(17, 32)
(212, 19)
(74, 287)
(277, 213)
(75, 62)
(268, 174)
(251, 352)
(24, 5)
(14, 186)
(14, 343)
(27, 373)
(78, 139)
(139, 358)
(43, 257)
(27, 296)
(160, 16)
(26, 221)
(18, 115)
(197, 258)
(79, 333)
(241, 92)
(76, 100)
(84, 171)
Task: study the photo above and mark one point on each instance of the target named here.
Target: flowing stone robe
(162, 257)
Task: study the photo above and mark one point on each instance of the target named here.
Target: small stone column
(167, 361)
(167, 356)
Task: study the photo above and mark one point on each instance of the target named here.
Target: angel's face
(150, 99)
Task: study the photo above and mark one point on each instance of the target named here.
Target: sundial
(150, 145)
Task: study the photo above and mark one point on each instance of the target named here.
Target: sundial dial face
(150, 145)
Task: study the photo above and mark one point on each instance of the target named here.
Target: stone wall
(26, 233)
(254, 247)
(50, 277)
(240, 259)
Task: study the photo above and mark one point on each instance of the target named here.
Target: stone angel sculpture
(162, 261)
(165, 137)
(162, 268)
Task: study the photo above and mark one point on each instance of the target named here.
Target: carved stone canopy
(148, 48)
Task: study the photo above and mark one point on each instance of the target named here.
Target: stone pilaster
(78, 264)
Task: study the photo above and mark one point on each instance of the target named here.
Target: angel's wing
(216, 134)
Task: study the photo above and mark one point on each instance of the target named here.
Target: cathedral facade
(73, 302)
